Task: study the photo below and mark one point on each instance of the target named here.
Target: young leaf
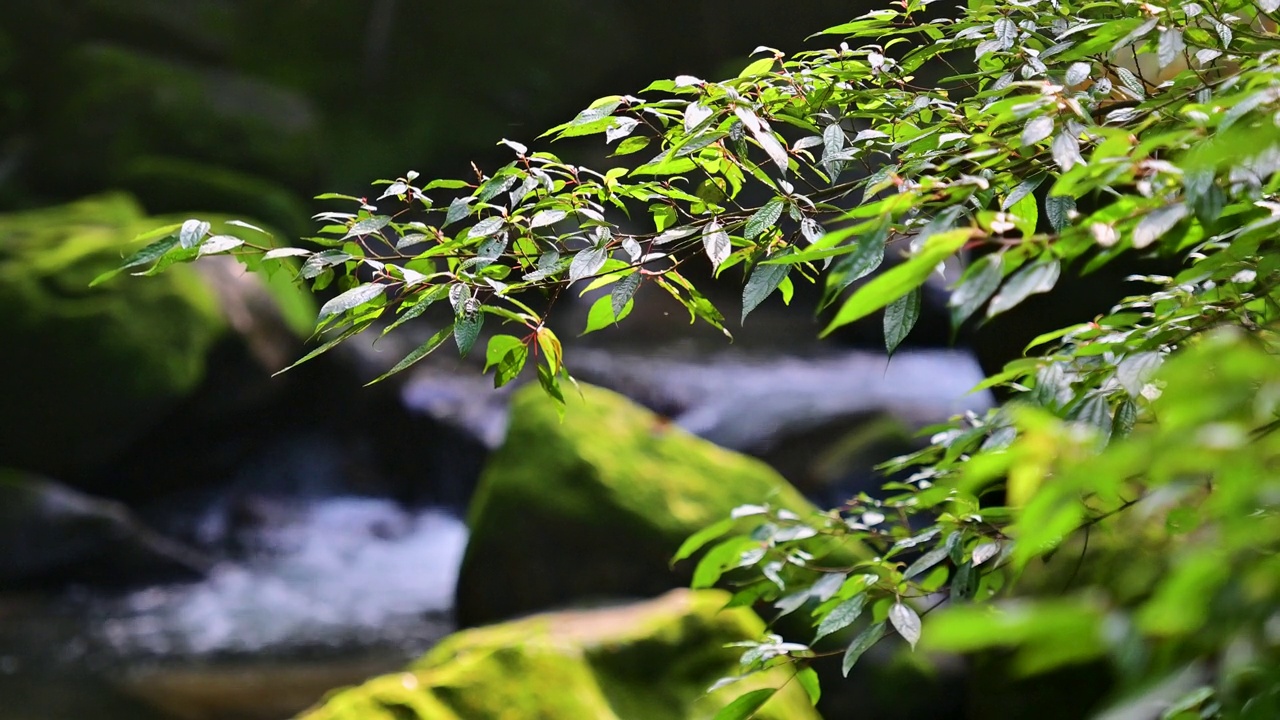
(1039, 277)
(900, 317)
(696, 541)
(716, 242)
(498, 347)
(906, 622)
(192, 232)
(863, 642)
(763, 281)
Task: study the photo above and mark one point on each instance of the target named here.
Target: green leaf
(466, 328)
(808, 679)
(1024, 188)
(510, 365)
(863, 642)
(900, 317)
(764, 218)
(906, 622)
(146, 255)
(1039, 277)
(763, 281)
(623, 292)
(587, 263)
(745, 705)
(696, 541)
(420, 352)
(841, 616)
(898, 281)
(759, 67)
(498, 347)
(975, 288)
(352, 298)
(367, 226)
(602, 315)
(1058, 209)
(925, 562)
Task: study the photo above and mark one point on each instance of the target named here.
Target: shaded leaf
(863, 642)
(623, 291)
(1156, 223)
(1036, 278)
(745, 705)
(841, 616)
(900, 317)
(420, 352)
(975, 288)
(466, 328)
(763, 281)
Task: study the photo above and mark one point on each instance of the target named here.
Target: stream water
(345, 588)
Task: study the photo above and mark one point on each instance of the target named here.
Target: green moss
(653, 659)
(595, 506)
(86, 370)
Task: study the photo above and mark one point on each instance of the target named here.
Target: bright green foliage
(1030, 139)
(654, 659)
(562, 501)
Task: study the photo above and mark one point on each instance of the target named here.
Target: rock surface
(653, 659)
(594, 507)
(88, 371)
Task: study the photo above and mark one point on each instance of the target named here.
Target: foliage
(1050, 136)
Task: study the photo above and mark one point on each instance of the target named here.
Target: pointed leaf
(420, 352)
(900, 280)
(486, 227)
(860, 645)
(906, 622)
(546, 217)
(587, 263)
(926, 562)
(219, 244)
(367, 226)
(745, 705)
(1058, 209)
(622, 293)
(1136, 369)
(466, 328)
(764, 218)
(763, 281)
(900, 317)
(192, 232)
(1037, 129)
(1024, 188)
(1039, 277)
(352, 298)
(716, 242)
(1156, 223)
(985, 552)
(976, 287)
(841, 616)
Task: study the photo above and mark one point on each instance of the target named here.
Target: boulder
(594, 506)
(51, 532)
(652, 659)
(87, 371)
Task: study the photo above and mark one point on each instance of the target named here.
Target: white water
(343, 571)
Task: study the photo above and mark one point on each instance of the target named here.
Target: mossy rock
(653, 659)
(595, 506)
(86, 371)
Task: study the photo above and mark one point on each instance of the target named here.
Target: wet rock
(53, 533)
(652, 659)
(594, 506)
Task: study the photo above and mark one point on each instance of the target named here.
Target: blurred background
(183, 535)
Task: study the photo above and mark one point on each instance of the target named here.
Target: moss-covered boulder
(653, 659)
(86, 371)
(594, 507)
